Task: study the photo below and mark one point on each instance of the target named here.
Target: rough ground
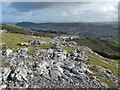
(63, 65)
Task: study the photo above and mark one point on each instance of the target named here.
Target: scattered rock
(22, 52)
(24, 44)
(3, 86)
(108, 71)
(51, 68)
(7, 52)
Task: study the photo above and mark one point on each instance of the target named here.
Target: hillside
(106, 48)
(20, 30)
(93, 62)
(31, 61)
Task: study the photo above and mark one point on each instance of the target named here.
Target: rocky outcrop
(36, 42)
(49, 68)
(7, 52)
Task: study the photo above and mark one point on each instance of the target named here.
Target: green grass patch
(109, 83)
(104, 65)
(98, 61)
(46, 46)
(68, 49)
(12, 40)
(31, 51)
(107, 48)
(93, 68)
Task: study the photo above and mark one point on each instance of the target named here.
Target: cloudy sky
(59, 11)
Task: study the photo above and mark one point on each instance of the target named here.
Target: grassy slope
(106, 64)
(101, 46)
(68, 49)
(12, 40)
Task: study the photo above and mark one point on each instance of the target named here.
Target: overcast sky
(59, 12)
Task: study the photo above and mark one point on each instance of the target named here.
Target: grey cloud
(29, 6)
(60, 11)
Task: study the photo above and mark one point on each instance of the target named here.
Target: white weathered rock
(60, 69)
(104, 85)
(55, 73)
(22, 52)
(117, 65)
(3, 86)
(50, 51)
(23, 73)
(7, 52)
(34, 42)
(4, 73)
(75, 71)
(24, 44)
(62, 56)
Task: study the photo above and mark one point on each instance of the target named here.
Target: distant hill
(21, 30)
(30, 25)
(98, 29)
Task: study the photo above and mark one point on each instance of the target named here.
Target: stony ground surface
(55, 67)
